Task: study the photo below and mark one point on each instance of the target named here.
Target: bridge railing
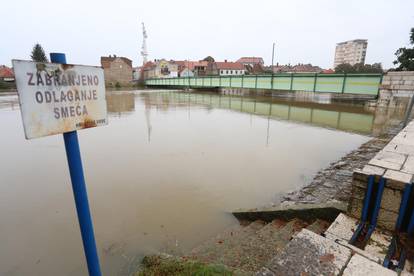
(366, 84)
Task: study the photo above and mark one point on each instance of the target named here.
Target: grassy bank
(169, 266)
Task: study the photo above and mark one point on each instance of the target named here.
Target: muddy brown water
(164, 174)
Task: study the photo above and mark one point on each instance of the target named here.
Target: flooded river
(163, 174)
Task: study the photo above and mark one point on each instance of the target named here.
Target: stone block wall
(397, 84)
(395, 163)
(118, 71)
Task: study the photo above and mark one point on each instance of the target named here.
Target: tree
(344, 68)
(359, 68)
(209, 59)
(377, 66)
(38, 54)
(405, 56)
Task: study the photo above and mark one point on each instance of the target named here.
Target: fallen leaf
(327, 258)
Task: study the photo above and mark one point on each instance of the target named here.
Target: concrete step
(342, 229)
(360, 266)
(212, 249)
(318, 226)
(409, 267)
(308, 254)
(254, 251)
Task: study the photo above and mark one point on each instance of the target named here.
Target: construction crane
(144, 51)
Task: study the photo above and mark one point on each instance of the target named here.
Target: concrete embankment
(342, 249)
(301, 239)
(334, 182)
(395, 164)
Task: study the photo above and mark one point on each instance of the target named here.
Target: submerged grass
(158, 266)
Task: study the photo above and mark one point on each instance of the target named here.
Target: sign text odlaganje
(65, 96)
(57, 98)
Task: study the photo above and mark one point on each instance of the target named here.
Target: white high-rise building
(352, 52)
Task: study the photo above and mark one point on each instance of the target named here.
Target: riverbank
(292, 245)
(334, 182)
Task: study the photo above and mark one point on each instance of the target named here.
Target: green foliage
(7, 85)
(117, 84)
(359, 68)
(344, 68)
(405, 56)
(38, 54)
(157, 266)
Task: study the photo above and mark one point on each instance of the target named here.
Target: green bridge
(363, 84)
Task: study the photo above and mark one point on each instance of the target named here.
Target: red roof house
(252, 61)
(6, 73)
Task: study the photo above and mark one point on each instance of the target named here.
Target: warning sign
(58, 98)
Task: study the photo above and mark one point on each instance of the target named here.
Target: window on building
(231, 72)
(227, 71)
(165, 70)
(222, 72)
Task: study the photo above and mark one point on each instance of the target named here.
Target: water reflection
(120, 103)
(324, 113)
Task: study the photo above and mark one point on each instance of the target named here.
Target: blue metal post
(79, 191)
(378, 199)
(403, 206)
(367, 199)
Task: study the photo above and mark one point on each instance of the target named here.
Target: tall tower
(352, 52)
(144, 51)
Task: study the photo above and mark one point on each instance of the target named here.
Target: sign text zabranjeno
(58, 98)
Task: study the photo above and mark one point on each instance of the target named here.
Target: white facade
(351, 52)
(166, 69)
(186, 73)
(136, 73)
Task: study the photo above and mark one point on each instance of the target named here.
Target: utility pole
(273, 56)
(188, 73)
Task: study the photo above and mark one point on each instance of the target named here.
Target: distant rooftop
(191, 64)
(6, 72)
(230, 65)
(354, 40)
(250, 60)
(106, 61)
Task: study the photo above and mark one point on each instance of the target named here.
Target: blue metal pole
(79, 191)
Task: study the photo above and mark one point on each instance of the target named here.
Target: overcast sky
(304, 31)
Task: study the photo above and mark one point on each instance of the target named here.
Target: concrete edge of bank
(326, 211)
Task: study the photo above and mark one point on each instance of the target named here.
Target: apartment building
(352, 52)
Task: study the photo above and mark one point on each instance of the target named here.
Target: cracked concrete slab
(360, 266)
(369, 169)
(342, 229)
(310, 254)
(408, 166)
